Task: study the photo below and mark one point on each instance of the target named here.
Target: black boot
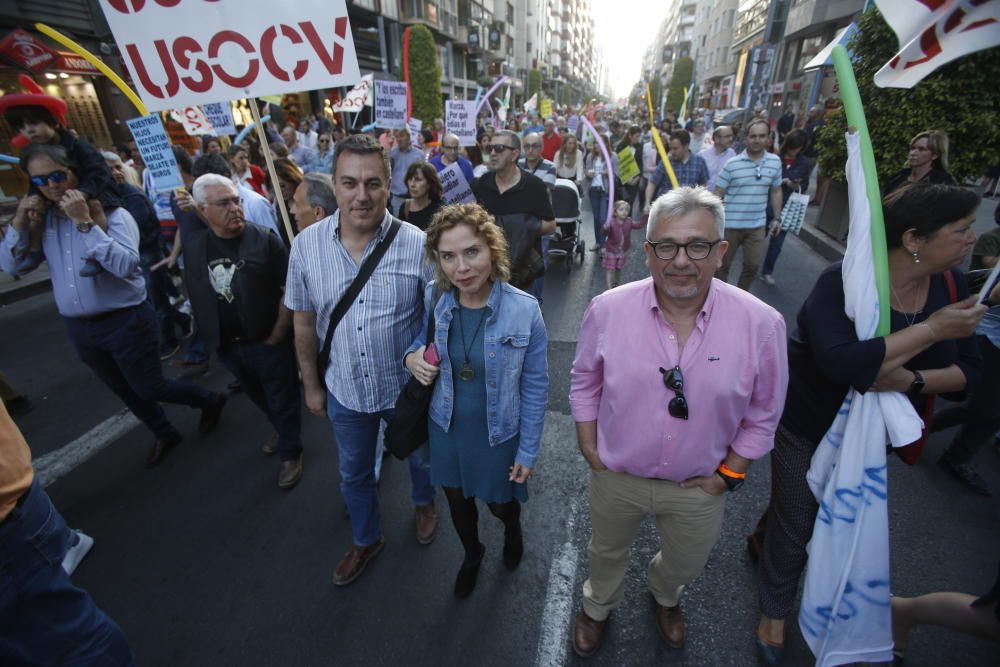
(513, 548)
(465, 582)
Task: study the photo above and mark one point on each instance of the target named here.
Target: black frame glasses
(662, 249)
(674, 381)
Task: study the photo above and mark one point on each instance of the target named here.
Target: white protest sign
(359, 97)
(415, 125)
(188, 52)
(454, 188)
(460, 120)
(220, 115)
(390, 104)
(193, 120)
(154, 147)
(572, 123)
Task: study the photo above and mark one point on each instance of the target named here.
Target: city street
(204, 561)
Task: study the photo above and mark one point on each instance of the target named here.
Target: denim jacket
(517, 374)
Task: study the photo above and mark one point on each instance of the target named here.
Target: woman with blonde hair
(488, 358)
(569, 161)
(927, 163)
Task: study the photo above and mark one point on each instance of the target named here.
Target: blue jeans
(356, 434)
(599, 204)
(270, 378)
(44, 618)
(121, 349)
(773, 250)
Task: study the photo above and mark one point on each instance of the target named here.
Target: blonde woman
(569, 161)
(926, 163)
(488, 359)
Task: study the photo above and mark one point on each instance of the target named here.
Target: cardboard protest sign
(220, 115)
(359, 97)
(154, 147)
(628, 168)
(454, 188)
(545, 108)
(415, 125)
(460, 120)
(193, 119)
(390, 104)
(187, 52)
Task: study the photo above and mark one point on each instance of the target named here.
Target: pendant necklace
(466, 373)
(903, 310)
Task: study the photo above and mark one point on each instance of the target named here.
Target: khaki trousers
(752, 241)
(688, 521)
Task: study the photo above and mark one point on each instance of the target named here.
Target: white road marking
(554, 636)
(61, 462)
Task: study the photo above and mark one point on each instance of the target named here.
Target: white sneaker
(76, 553)
(768, 280)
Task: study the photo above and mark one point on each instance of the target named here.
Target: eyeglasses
(695, 250)
(530, 146)
(226, 203)
(54, 178)
(450, 148)
(324, 141)
(674, 381)
(498, 148)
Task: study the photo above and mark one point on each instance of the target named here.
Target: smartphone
(431, 355)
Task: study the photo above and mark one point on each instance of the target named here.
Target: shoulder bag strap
(366, 271)
(949, 281)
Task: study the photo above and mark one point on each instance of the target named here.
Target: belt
(100, 317)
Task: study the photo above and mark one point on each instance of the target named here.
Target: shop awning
(822, 59)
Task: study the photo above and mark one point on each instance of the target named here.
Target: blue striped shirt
(746, 195)
(366, 371)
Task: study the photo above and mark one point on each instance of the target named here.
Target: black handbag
(407, 430)
(353, 290)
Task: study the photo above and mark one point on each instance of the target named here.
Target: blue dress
(462, 458)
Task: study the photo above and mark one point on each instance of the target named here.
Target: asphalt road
(204, 561)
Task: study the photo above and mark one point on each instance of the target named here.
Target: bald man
(450, 154)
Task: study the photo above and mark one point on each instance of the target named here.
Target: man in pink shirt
(677, 386)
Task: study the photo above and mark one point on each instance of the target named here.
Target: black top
(825, 357)
(936, 176)
(529, 196)
(421, 218)
(223, 262)
(135, 202)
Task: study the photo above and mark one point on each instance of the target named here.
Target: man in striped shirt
(366, 372)
(746, 182)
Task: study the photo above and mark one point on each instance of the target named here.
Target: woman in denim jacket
(489, 360)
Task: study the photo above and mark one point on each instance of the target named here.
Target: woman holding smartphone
(488, 358)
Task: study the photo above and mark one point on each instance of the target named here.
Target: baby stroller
(567, 242)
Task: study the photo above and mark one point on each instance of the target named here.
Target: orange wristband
(729, 472)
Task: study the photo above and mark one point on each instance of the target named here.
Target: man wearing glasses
(533, 162)
(719, 153)
(520, 202)
(677, 386)
(450, 155)
(235, 276)
(747, 181)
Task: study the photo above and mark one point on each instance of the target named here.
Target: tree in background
(425, 76)
(534, 83)
(679, 82)
(962, 98)
(656, 91)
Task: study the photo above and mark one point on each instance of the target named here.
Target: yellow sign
(659, 143)
(628, 168)
(545, 108)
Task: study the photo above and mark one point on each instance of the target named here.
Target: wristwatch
(917, 386)
(84, 227)
(733, 479)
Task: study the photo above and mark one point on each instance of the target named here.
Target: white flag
(359, 97)
(934, 32)
(532, 103)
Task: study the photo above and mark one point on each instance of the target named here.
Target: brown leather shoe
(160, 450)
(354, 561)
(671, 623)
(290, 473)
(427, 523)
(587, 635)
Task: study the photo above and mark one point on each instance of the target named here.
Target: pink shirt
(735, 369)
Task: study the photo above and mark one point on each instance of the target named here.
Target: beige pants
(688, 521)
(752, 241)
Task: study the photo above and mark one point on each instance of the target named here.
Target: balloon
(9, 159)
(366, 128)
(96, 62)
(610, 166)
(659, 143)
(855, 114)
(246, 130)
(488, 93)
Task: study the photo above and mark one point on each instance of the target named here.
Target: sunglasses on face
(54, 178)
(674, 381)
(498, 148)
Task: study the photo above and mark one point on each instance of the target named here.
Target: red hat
(36, 97)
